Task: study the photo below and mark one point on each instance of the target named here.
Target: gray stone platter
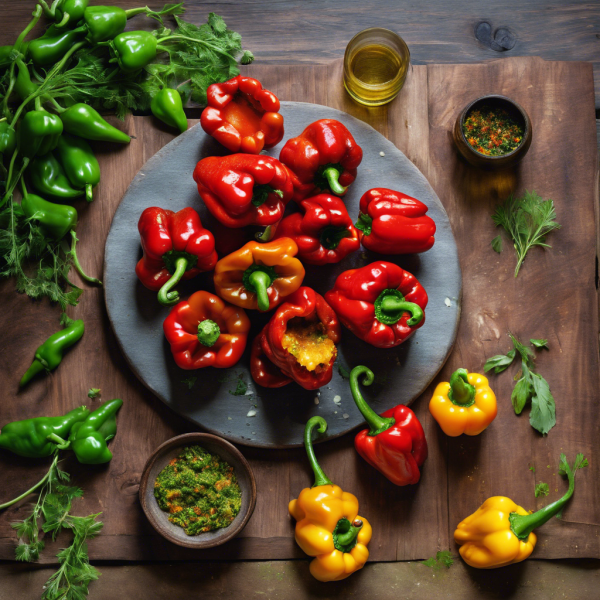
(402, 373)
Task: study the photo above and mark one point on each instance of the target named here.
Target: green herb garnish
(442, 559)
(542, 489)
(94, 393)
(190, 381)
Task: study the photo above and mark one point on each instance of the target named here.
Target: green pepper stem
(332, 175)
(321, 424)
(37, 13)
(208, 332)
(35, 368)
(131, 12)
(331, 236)
(523, 525)
(392, 306)
(32, 489)
(60, 443)
(64, 21)
(261, 282)
(77, 264)
(345, 534)
(346, 539)
(376, 423)
(461, 392)
(167, 297)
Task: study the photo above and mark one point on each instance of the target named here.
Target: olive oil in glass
(375, 66)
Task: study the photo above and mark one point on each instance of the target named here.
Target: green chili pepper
(133, 50)
(46, 51)
(8, 138)
(104, 22)
(82, 120)
(88, 438)
(79, 163)
(24, 87)
(55, 220)
(30, 437)
(38, 133)
(69, 11)
(50, 354)
(168, 107)
(48, 177)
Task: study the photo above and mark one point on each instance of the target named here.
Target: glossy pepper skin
(29, 437)
(88, 438)
(69, 11)
(48, 177)
(394, 443)
(324, 233)
(133, 50)
(328, 526)
(79, 163)
(309, 306)
(104, 22)
(168, 107)
(38, 133)
(324, 157)
(500, 532)
(47, 50)
(50, 354)
(466, 404)
(82, 120)
(55, 220)
(204, 331)
(242, 189)
(8, 139)
(379, 303)
(391, 222)
(259, 276)
(176, 246)
(242, 116)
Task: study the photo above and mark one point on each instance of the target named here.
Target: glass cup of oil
(375, 66)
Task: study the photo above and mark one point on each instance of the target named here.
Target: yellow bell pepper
(466, 404)
(328, 525)
(500, 532)
(259, 275)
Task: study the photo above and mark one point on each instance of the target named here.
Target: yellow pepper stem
(321, 424)
(376, 423)
(461, 392)
(345, 534)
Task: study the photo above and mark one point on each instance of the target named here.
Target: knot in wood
(501, 40)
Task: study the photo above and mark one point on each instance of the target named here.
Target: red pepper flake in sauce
(492, 131)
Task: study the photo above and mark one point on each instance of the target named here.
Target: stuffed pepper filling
(244, 113)
(307, 341)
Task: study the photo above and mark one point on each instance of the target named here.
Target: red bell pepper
(242, 189)
(324, 157)
(299, 340)
(393, 223)
(204, 331)
(395, 442)
(242, 116)
(176, 247)
(380, 303)
(324, 234)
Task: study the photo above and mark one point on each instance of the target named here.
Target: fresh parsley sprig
(530, 386)
(527, 221)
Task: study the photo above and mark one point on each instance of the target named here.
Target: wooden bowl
(493, 163)
(159, 460)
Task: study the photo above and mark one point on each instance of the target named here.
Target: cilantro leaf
(94, 393)
(543, 409)
(497, 244)
(542, 489)
(540, 344)
(443, 558)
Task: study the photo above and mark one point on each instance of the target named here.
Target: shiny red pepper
(393, 223)
(380, 303)
(395, 442)
(242, 189)
(176, 247)
(242, 116)
(324, 157)
(274, 349)
(324, 233)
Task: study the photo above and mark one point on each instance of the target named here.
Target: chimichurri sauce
(492, 131)
(199, 490)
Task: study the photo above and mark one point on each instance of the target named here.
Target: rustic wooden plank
(554, 296)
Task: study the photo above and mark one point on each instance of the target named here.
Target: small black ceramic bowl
(493, 163)
(161, 458)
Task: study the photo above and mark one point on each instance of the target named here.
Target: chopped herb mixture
(492, 131)
(199, 490)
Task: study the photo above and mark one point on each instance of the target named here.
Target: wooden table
(348, 18)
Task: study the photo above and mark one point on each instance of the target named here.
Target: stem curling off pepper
(500, 532)
(380, 303)
(259, 276)
(328, 525)
(176, 246)
(242, 189)
(204, 331)
(394, 443)
(242, 116)
(324, 157)
(299, 340)
(466, 404)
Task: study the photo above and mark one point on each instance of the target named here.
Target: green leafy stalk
(527, 221)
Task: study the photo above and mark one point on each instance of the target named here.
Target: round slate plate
(401, 373)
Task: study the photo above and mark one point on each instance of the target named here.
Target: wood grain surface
(554, 297)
